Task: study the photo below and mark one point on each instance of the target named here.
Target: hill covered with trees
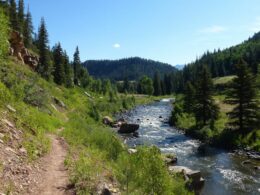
(222, 62)
(130, 68)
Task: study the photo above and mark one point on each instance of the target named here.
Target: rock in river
(128, 128)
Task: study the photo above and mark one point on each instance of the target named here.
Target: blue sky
(172, 31)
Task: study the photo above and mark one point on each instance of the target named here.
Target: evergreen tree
(126, 85)
(205, 109)
(163, 88)
(4, 34)
(68, 71)
(21, 15)
(84, 77)
(106, 86)
(76, 67)
(157, 84)
(44, 67)
(243, 94)
(58, 59)
(28, 30)
(13, 15)
(189, 97)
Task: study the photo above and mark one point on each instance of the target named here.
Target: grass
(223, 80)
(95, 152)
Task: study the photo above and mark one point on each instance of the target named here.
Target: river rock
(197, 181)
(107, 120)
(170, 159)
(194, 175)
(128, 128)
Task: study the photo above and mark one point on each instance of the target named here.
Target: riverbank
(33, 111)
(222, 170)
(214, 134)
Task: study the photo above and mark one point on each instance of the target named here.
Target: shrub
(35, 95)
(5, 95)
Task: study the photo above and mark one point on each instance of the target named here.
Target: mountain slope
(131, 68)
(222, 62)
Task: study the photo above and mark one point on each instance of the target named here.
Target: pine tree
(13, 15)
(189, 97)
(157, 84)
(44, 67)
(163, 88)
(84, 77)
(76, 66)
(68, 71)
(21, 15)
(243, 94)
(126, 85)
(28, 30)
(58, 59)
(4, 34)
(205, 109)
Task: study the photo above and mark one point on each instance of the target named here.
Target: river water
(223, 171)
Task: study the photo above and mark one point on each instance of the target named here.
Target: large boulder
(197, 181)
(128, 128)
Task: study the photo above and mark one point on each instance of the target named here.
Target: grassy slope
(223, 80)
(96, 153)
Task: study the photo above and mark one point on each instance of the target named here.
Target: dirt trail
(55, 176)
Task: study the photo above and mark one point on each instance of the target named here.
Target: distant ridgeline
(222, 62)
(130, 68)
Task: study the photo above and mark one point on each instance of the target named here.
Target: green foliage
(205, 109)
(20, 15)
(35, 95)
(130, 68)
(85, 172)
(13, 15)
(189, 98)
(145, 172)
(76, 66)
(28, 30)
(4, 35)
(157, 84)
(94, 113)
(146, 86)
(243, 95)
(5, 95)
(44, 67)
(59, 70)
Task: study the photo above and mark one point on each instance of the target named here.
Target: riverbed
(223, 171)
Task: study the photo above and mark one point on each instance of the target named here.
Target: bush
(145, 173)
(85, 173)
(35, 95)
(5, 95)
(94, 113)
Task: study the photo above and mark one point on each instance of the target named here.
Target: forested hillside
(222, 62)
(130, 68)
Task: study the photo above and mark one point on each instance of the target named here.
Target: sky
(171, 31)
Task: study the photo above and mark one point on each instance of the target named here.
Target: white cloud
(213, 29)
(116, 45)
(255, 26)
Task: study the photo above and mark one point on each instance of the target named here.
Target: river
(223, 171)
